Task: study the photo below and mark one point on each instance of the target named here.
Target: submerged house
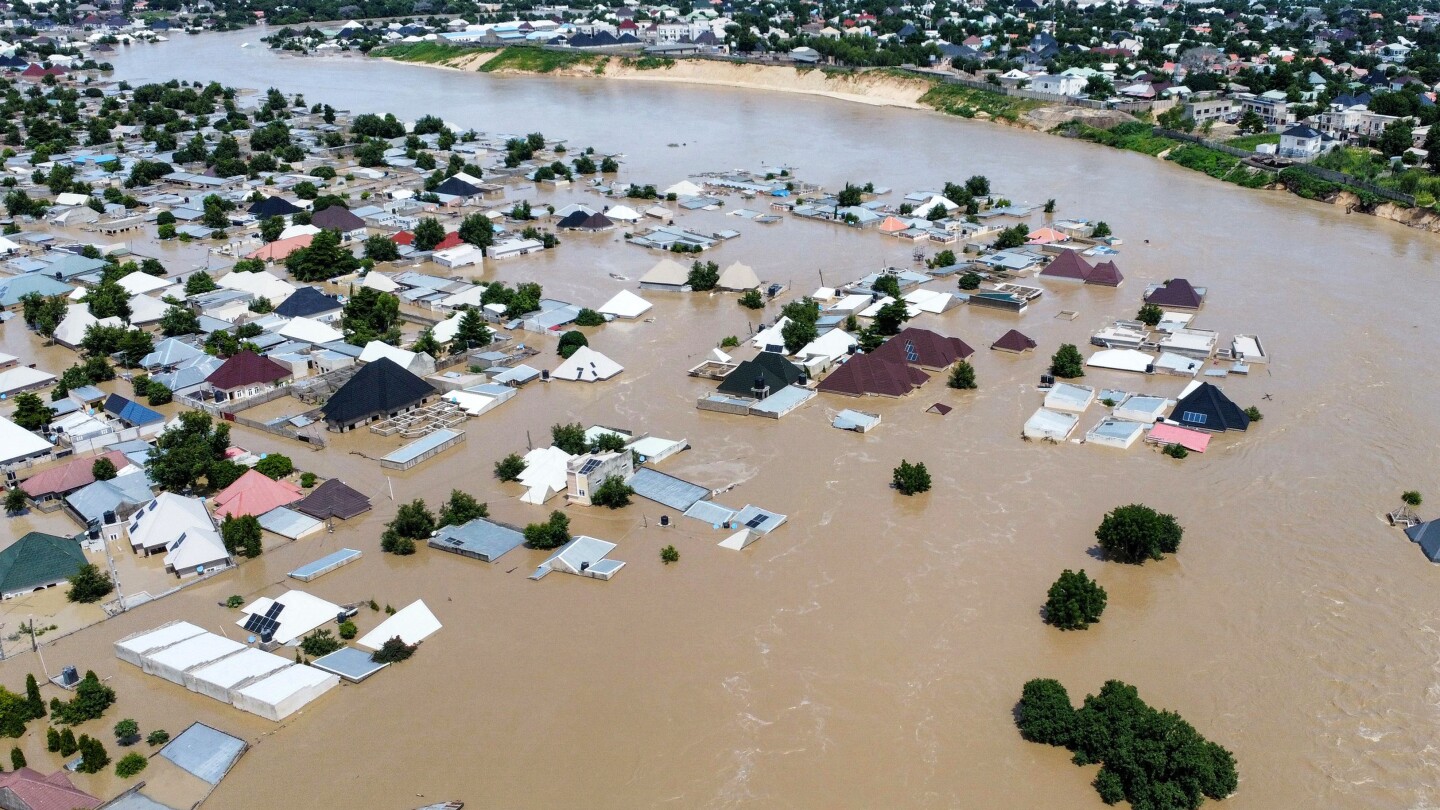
(767, 373)
(38, 561)
(924, 348)
(583, 556)
(378, 390)
(1207, 408)
(870, 374)
(246, 375)
(1069, 265)
(1426, 534)
(1177, 293)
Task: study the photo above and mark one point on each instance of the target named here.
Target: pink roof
(278, 250)
(893, 224)
(41, 792)
(70, 476)
(1174, 434)
(254, 493)
(1045, 236)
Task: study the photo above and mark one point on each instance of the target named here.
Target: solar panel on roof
(590, 466)
(252, 624)
(755, 522)
(274, 611)
(910, 353)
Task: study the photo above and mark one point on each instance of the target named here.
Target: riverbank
(893, 88)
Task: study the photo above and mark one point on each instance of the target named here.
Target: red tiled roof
(870, 374)
(246, 368)
(69, 476)
(932, 350)
(254, 493)
(40, 792)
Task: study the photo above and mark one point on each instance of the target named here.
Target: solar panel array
(590, 466)
(910, 353)
(755, 522)
(266, 625)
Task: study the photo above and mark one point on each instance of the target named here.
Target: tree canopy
(1136, 533)
(1075, 601)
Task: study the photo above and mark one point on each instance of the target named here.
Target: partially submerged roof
(412, 624)
(922, 347)
(587, 365)
(247, 368)
(254, 493)
(869, 374)
(667, 490)
(769, 368)
(38, 559)
(378, 387)
(333, 499)
(1177, 292)
(204, 752)
(480, 538)
(1013, 341)
(1207, 408)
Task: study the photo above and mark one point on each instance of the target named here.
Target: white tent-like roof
(218, 679)
(141, 283)
(134, 648)
(684, 188)
(174, 661)
(309, 330)
(446, 329)
(1048, 424)
(667, 271)
(159, 523)
(834, 345)
(625, 304)
(738, 277)
(1121, 360)
(544, 474)
(587, 365)
(196, 550)
(145, 309)
(298, 230)
(379, 281)
(17, 442)
(771, 336)
(261, 285)
(413, 624)
(623, 213)
(22, 377)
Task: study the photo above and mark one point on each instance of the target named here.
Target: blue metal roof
(204, 752)
(130, 411)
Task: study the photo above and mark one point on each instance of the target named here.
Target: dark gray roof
(334, 498)
(307, 301)
(378, 387)
(1427, 534)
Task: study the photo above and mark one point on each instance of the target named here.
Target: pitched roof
(381, 386)
(922, 347)
(1177, 292)
(333, 498)
(456, 187)
(337, 218)
(247, 368)
(70, 476)
(274, 206)
(774, 369)
(1068, 265)
(254, 493)
(131, 412)
(307, 301)
(1427, 534)
(1207, 408)
(870, 374)
(41, 792)
(38, 559)
(1105, 274)
(1013, 341)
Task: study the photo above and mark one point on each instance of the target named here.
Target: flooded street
(869, 652)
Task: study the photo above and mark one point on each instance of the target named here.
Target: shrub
(68, 745)
(570, 342)
(669, 555)
(589, 317)
(1411, 497)
(17, 758)
(348, 630)
(1254, 413)
(1067, 362)
(1136, 533)
(962, 377)
(127, 731)
(1176, 451)
(52, 740)
(553, 533)
(275, 465)
(89, 584)
(510, 467)
(729, 342)
(93, 755)
(1149, 314)
(1075, 601)
(319, 643)
(613, 492)
(970, 281)
(131, 764)
(158, 737)
(307, 480)
(393, 651)
(911, 479)
(752, 299)
(1045, 714)
(461, 508)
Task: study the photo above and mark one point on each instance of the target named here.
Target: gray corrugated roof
(667, 490)
(479, 538)
(204, 752)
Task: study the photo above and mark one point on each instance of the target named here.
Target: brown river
(869, 652)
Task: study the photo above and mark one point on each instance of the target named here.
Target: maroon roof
(246, 368)
(1105, 274)
(1177, 292)
(1013, 341)
(921, 347)
(873, 374)
(1068, 265)
(41, 792)
(337, 218)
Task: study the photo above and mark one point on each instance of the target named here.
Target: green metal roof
(38, 559)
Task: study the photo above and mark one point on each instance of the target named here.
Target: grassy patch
(1134, 136)
(967, 102)
(1218, 165)
(429, 53)
(648, 63)
(536, 60)
(1249, 142)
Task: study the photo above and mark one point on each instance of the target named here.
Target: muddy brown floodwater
(869, 653)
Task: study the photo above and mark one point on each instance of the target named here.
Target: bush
(589, 317)
(962, 377)
(570, 342)
(1254, 413)
(158, 737)
(911, 479)
(1067, 362)
(275, 465)
(89, 584)
(510, 467)
(613, 492)
(1176, 451)
(127, 731)
(570, 438)
(319, 643)
(1045, 714)
(970, 281)
(393, 651)
(669, 555)
(553, 533)
(461, 508)
(1075, 601)
(1136, 533)
(729, 342)
(307, 480)
(93, 755)
(1411, 497)
(17, 758)
(348, 630)
(52, 740)
(131, 764)
(68, 745)
(752, 299)
(158, 394)
(1149, 314)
